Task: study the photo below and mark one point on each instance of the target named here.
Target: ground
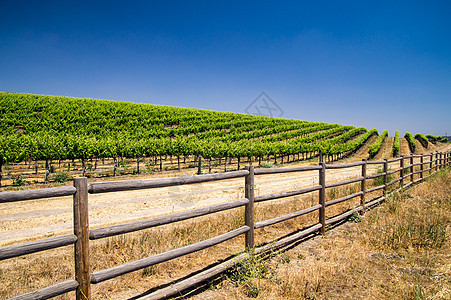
(29, 220)
(360, 259)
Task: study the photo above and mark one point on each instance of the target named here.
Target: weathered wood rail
(81, 284)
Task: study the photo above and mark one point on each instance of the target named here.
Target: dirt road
(28, 220)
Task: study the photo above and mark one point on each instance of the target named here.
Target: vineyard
(46, 139)
(66, 137)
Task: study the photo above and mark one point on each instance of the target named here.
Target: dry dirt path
(404, 147)
(386, 150)
(362, 153)
(22, 221)
(47, 217)
(431, 147)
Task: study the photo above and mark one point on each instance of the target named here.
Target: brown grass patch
(400, 250)
(340, 265)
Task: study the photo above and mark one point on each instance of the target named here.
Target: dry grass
(35, 271)
(310, 271)
(400, 250)
(31, 272)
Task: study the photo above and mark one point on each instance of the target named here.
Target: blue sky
(381, 64)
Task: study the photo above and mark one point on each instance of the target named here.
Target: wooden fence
(47, 171)
(81, 284)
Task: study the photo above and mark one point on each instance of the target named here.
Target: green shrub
(380, 180)
(60, 177)
(410, 139)
(396, 144)
(355, 217)
(422, 139)
(18, 180)
(374, 148)
(267, 165)
(253, 267)
(124, 163)
(433, 138)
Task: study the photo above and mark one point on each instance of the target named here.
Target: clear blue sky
(382, 64)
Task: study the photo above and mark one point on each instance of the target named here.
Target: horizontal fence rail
(37, 194)
(287, 194)
(51, 291)
(162, 257)
(403, 169)
(36, 246)
(375, 189)
(162, 220)
(375, 176)
(116, 186)
(345, 198)
(285, 170)
(375, 201)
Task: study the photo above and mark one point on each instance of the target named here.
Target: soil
(29, 220)
(386, 150)
(404, 147)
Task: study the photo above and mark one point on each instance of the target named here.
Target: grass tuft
(399, 250)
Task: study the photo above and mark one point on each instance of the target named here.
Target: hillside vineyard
(35, 127)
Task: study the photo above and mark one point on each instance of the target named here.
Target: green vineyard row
(411, 140)
(374, 148)
(36, 127)
(47, 127)
(422, 139)
(396, 144)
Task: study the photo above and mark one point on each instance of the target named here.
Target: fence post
(441, 160)
(411, 168)
(385, 176)
(81, 230)
(401, 172)
(430, 164)
(421, 166)
(363, 186)
(436, 162)
(322, 197)
(249, 208)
